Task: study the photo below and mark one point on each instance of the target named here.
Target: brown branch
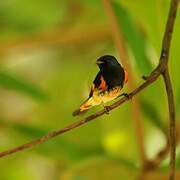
(168, 32)
(72, 126)
(122, 49)
(172, 125)
(170, 95)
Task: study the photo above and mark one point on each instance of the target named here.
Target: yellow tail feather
(83, 108)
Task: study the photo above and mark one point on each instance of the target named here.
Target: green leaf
(13, 82)
(133, 37)
(152, 113)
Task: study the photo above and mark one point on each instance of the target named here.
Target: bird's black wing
(98, 83)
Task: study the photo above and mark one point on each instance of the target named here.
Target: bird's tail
(83, 108)
(78, 112)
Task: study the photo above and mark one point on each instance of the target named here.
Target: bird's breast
(106, 96)
(114, 77)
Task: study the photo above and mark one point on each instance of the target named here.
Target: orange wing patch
(103, 84)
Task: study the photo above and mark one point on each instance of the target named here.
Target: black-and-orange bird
(107, 84)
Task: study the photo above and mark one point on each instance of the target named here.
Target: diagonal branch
(72, 126)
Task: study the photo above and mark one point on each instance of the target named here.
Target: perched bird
(107, 84)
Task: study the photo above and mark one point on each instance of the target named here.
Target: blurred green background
(48, 51)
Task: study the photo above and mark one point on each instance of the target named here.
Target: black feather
(112, 72)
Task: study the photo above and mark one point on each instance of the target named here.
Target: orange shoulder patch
(126, 76)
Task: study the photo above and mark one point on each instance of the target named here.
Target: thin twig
(172, 124)
(168, 32)
(122, 49)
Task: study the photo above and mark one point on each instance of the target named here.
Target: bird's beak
(98, 62)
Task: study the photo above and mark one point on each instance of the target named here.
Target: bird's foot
(127, 95)
(107, 109)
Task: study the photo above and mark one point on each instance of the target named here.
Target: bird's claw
(126, 95)
(107, 109)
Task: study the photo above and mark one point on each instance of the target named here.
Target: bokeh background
(48, 51)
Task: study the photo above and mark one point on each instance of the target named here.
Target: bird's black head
(107, 61)
(112, 72)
